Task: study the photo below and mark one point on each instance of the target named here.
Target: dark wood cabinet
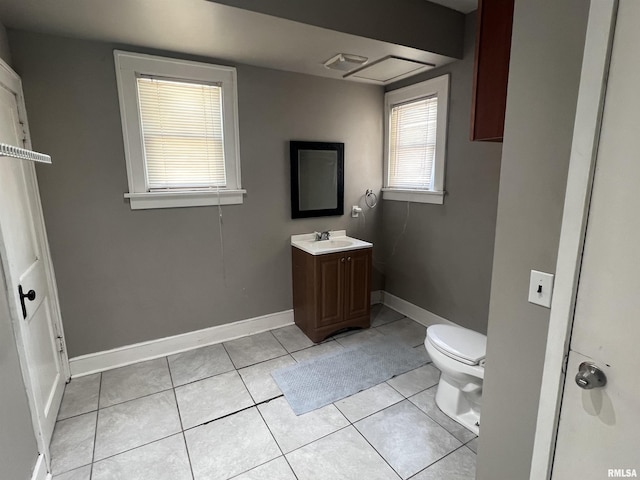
(491, 70)
(331, 292)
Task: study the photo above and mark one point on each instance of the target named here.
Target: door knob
(30, 295)
(590, 376)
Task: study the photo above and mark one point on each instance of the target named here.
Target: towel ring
(367, 199)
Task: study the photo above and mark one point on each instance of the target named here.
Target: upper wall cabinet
(491, 71)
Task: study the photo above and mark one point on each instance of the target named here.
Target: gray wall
(546, 57)
(412, 23)
(18, 449)
(443, 260)
(128, 276)
(5, 53)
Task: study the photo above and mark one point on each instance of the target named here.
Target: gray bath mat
(320, 381)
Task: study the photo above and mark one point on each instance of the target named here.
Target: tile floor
(216, 413)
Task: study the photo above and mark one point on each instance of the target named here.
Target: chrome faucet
(322, 236)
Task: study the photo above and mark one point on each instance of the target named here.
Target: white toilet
(459, 354)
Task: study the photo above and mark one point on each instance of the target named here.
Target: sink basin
(327, 244)
(338, 242)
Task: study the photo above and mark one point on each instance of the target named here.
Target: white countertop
(338, 242)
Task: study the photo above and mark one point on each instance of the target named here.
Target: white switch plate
(541, 288)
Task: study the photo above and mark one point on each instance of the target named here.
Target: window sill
(148, 200)
(416, 196)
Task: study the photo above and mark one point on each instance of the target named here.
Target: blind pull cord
(404, 229)
(220, 223)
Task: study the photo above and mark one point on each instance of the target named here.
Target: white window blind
(412, 144)
(183, 133)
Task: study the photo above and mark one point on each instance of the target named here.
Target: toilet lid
(466, 345)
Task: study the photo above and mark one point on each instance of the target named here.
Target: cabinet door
(330, 288)
(491, 69)
(358, 283)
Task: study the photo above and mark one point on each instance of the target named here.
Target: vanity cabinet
(491, 69)
(331, 291)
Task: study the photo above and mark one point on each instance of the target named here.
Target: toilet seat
(458, 343)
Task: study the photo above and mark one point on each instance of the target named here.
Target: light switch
(541, 288)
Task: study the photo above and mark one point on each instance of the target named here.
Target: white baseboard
(419, 314)
(127, 355)
(139, 352)
(40, 470)
(376, 296)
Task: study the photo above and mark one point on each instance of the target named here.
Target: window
(416, 134)
(180, 128)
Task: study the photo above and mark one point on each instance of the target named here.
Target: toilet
(459, 354)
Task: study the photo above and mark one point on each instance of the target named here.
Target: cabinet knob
(342, 259)
(348, 259)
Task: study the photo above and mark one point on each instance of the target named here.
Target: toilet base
(461, 407)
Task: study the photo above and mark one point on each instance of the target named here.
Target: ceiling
(205, 28)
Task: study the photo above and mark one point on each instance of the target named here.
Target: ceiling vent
(389, 69)
(345, 62)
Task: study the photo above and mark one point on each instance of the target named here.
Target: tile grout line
(326, 342)
(203, 378)
(264, 421)
(290, 466)
(95, 433)
(76, 415)
(184, 438)
(255, 404)
(373, 413)
(467, 445)
(175, 397)
(353, 424)
(137, 398)
(165, 389)
(376, 450)
(143, 444)
(256, 363)
(269, 428)
(320, 438)
(323, 436)
(380, 454)
(278, 340)
(247, 387)
(276, 442)
(437, 461)
(436, 421)
(136, 447)
(433, 419)
(230, 414)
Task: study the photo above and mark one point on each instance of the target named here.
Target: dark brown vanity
(332, 290)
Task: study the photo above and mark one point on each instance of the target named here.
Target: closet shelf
(23, 154)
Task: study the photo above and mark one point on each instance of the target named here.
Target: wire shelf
(7, 150)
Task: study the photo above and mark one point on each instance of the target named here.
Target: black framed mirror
(317, 179)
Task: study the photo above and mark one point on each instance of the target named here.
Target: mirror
(317, 179)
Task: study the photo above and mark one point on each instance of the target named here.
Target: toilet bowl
(459, 354)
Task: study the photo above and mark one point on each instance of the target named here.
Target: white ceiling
(204, 28)
(464, 6)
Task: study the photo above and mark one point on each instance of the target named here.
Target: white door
(26, 266)
(599, 428)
